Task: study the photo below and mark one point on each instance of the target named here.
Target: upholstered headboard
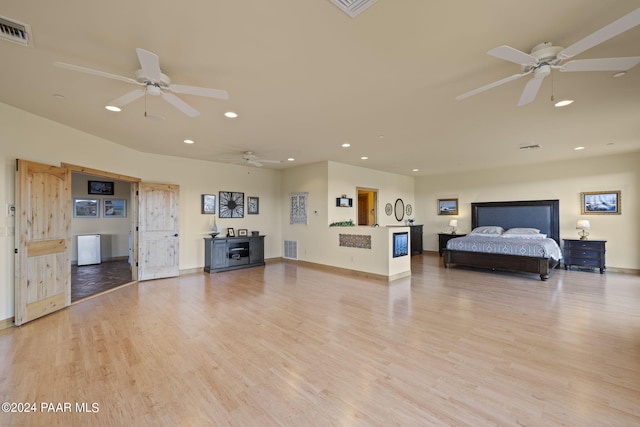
(541, 214)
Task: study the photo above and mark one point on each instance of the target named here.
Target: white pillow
(493, 230)
(524, 236)
(522, 231)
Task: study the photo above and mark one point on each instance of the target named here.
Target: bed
(536, 214)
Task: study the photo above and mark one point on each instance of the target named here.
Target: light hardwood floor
(299, 346)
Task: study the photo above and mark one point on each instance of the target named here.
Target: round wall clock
(399, 209)
(409, 210)
(388, 209)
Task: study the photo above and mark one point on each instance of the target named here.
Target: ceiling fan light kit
(545, 57)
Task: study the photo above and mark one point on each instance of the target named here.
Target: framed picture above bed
(601, 203)
(447, 206)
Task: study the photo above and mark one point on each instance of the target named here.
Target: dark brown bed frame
(541, 214)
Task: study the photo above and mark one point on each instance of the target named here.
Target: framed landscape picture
(114, 208)
(447, 206)
(601, 202)
(104, 188)
(86, 208)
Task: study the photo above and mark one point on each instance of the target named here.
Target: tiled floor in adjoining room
(89, 280)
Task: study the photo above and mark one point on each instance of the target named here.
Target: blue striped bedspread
(544, 248)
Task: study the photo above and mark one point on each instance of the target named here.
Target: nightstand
(585, 253)
(443, 238)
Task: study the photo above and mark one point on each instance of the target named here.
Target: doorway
(101, 229)
(367, 201)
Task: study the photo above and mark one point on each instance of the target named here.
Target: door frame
(133, 209)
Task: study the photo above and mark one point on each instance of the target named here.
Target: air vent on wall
(15, 32)
(353, 7)
(290, 249)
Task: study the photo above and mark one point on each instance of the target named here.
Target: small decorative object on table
(453, 224)
(231, 232)
(342, 224)
(242, 232)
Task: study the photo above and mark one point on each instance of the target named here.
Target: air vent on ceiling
(15, 31)
(353, 7)
(530, 147)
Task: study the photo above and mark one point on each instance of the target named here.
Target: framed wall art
(601, 202)
(86, 208)
(447, 206)
(208, 204)
(253, 205)
(104, 188)
(114, 208)
(231, 204)
(298, 213)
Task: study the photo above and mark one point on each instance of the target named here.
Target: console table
(232, 253)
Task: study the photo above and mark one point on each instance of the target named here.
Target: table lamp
(583, 225)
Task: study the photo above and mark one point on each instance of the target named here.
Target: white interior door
(158, 231)
(43, 237)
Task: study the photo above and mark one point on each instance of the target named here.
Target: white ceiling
(305, 77)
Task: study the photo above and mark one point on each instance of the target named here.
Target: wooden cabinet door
(43, 237)
(256, 250)
(219, 254)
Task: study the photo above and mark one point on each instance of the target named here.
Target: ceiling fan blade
(513, 55)
(269, 161)
(150, 64)
(530, 90)
(255, 163)
(602, 64)
(491, 85)
(607, 32)
(127, 98)
(95, 72)
(180, 104)
(199, 91)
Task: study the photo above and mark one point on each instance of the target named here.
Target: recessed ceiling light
(231, 114)
(188, 141)
(113, 108)
(346, 145)
(415, 170)
(290, 159)
(579, 148)
(564, 103)
(620, 74)
(364, 158)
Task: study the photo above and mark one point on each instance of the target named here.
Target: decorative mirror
(399, 209)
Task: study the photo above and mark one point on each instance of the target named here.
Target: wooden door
(43, 237)
(158, 253)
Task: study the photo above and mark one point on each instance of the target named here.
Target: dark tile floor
(88, 280)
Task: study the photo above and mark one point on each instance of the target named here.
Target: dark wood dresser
(585, 253)
(416, 239)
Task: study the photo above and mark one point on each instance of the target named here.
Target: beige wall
(554, 180)
(29, 137)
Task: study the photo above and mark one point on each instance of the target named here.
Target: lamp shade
(583, 224)
(453, 223)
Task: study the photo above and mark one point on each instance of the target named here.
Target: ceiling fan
(155, 83)
(251, 159)
(545, 57)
